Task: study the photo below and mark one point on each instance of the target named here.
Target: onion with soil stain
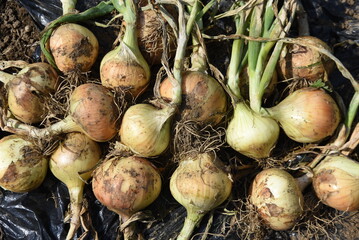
(23, 167)
(336, 182)
(72, 163)
(126, 186)
(277, 198)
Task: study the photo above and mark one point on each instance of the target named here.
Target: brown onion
(26, 92)
(298, 61)
(126, 186)
(74, 47)
(307, 115)
(203, 98)
(200, 184)
(23, 166)
(277, 198)
(72, 163)
(336, 182)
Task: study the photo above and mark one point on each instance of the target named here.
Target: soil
(334, 21)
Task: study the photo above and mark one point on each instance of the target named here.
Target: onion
(124, 67)
(307, 115)
(298, 61)
(336, 182)
(199, 184)
(27, 90)
(277, 197)
(203, 97)
(126, 186)
(146, 130)
(72, 163)
(250, 133)
(23, 166)
(73, 47)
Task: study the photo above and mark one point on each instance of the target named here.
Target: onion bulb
(72, 163)
(250, 133)
(27, 90)
(23, 167)
(307, 115)
(277, 198)
(146, 130)
(336, 182)
(303, 62)
(126, 186)
(200, 184)
(204, 100)
(74, 47)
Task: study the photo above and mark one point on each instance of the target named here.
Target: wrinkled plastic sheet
(39, 214)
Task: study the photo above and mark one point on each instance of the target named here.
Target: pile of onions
(277, 198)
(74, 47)
(203, 98)
(336, 182)
(126, 186)
(124, 67)
(92, 112)
(251, 134)
(146, 130)
(302, 62)
(26, 91)
(200, 184)
(72, 163)
(307, 115)
(23, 166)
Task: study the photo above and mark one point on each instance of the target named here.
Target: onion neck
(68, 6)
(66, 125)
(192, 219)
(6, 77)
(304, 181)
(76, 198)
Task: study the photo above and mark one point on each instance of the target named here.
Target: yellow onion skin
(145, 129)
(22, 166)
(336, 182)
(277, 198)
(298, 61)
(27, 90)
(203, 98)
(250, 133)
(307, 115)
(92, 107)
(72, 163)
(126, 185)
(74, 47)
(120, 68)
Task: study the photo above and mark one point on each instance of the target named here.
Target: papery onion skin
(277, 197)
(251, 134)
(74, 47)
(204, 99)
(307, 115)
(126, 185)
(336, 182)
(305, 63)
(22, 165)
(27, 90)
(145, 129)
(92, 107)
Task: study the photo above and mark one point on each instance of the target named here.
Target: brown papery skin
(73, 47)
(127, 75)
(304, 62)
(126, 185)
(92, 107)
(312, 113)
(203, 98)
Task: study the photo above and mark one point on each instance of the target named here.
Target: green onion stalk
(248, 132)
(205, 99)
(67, 45)
(145, 128)
(125, 67)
